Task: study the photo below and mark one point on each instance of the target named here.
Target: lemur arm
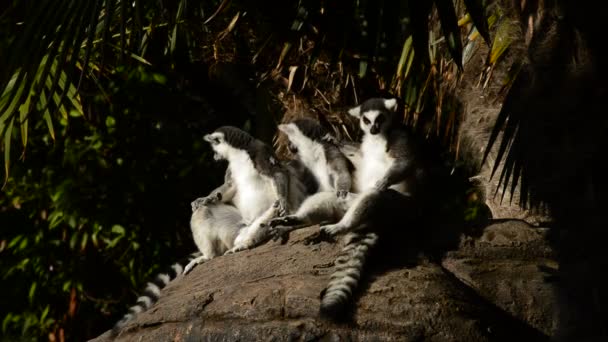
(340, 167)
(223, 193)
(405, 162)
(398, 172)
(281, 187)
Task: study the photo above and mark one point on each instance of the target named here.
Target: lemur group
(357, 191)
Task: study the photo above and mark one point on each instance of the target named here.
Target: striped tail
(152, 292)
(349, 267)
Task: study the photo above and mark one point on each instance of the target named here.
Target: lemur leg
(355, 217)
(194, 262)
(206, 247)
(256, 232)
(320, 207)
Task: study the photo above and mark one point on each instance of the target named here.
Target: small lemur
(233, 217)
(388, 174)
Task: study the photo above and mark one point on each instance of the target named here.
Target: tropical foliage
(103, 102)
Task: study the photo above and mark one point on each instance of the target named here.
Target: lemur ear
(390, 104)
(356, 112)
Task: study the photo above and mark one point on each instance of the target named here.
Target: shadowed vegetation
(103, 104)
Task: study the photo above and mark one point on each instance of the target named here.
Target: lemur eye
(380, 120)
(216, 140)
(365, 120)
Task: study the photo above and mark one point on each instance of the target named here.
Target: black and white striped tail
(152, 291)
(345, 279)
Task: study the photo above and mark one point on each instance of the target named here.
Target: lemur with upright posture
(388, 174)
(233, 217)
(319, 152)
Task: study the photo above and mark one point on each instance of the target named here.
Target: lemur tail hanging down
(234, 216)
(152, 292)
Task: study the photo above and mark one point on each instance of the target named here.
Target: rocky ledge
(492, 287)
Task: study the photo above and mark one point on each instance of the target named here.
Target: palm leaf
(476, 9)
(451, 31)
(511, 149)
(7, 148)
(419, 16)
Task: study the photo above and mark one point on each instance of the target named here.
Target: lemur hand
(203, 201)
(281, 204)
(382, 184)
(341, 193)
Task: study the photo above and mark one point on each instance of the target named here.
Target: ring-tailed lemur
(317, 149)
(319, 152)
(232, 217)
(255, 181)
(388, 172)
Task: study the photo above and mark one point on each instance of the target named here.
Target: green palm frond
(57, 43)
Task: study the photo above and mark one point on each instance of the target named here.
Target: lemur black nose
(374, 130)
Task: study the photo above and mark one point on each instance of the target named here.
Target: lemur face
(304, 134)
(297, 140)
(375, 115)
(228, 142)
(218, 144)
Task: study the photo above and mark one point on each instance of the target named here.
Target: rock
(271, 293)
(505, 266)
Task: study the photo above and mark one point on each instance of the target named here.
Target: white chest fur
(315, 160)
(374, 162)
(255, 192)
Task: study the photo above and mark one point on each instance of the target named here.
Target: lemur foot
(193, 263)
(318, 237)
(280, 233)
(288, 220)
(332, 229)
(236, 249)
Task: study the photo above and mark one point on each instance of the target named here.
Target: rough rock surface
(491, 288)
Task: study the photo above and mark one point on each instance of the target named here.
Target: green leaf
(12, 102)
(7, 149)
(15, 241)
(45, 313)
(505, 32)
(83, 242)
(5, 322)
(118, 229)
(451, 31)
(47, 115)
(24, 109)
(32, 292)
(110, 121)
(73, 240)
(66, 286)
(405, 53)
